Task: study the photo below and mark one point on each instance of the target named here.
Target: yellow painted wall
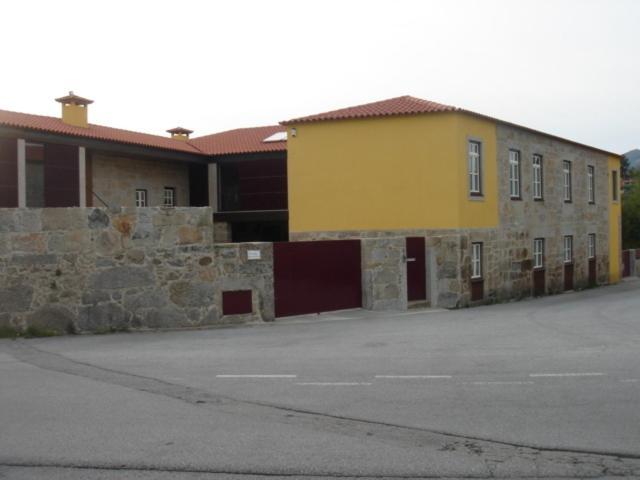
(615, 211)
(75, 115)
(477, 212)
(405, 172)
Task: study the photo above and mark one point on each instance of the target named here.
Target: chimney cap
(74, 99)
(180, 131)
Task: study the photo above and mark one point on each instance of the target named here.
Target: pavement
(542, 388)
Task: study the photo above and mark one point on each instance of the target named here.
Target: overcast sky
(571, 68)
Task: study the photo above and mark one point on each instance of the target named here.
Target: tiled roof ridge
(395, 106)
(90, 131)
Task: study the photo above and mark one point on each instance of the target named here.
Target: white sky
(571, 68)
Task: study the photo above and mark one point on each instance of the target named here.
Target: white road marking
(630, 380)
(588, 374)
(413, 376)
(334, 384)
(257, 376)
(501, 383)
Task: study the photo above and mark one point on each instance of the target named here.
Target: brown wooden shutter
(8, 172)
(61, 176)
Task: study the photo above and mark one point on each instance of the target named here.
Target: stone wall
(552, 218)
(384, 274)
(115, 180)
(93, 269)
(236, 271)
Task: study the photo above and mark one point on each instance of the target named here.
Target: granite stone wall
(384, 273)
(115, 180)
(551, 218)
(95, 270)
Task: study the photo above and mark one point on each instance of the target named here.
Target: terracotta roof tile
(98, 132)
(405, 105)
(241, 140)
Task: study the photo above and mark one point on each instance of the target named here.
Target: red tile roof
(57, 126)
(405, 105)
(241, 140)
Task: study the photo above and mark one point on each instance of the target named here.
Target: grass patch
(8, 332)
(33, 332)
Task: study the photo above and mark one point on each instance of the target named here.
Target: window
(614, 185)
(141, 198)
(475, 168)
(537, 177)
(476, 260)
(514, 174)
(169, 197)
(538, 253)
(592, 245)
(568, 249)
(591, 184)
(566, 175)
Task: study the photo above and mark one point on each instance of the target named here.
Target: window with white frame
(591, 183)
(566, 175)
(538, 252)
(592, 245)
(537, 177)
(169, 197)
(475, 168)
(568, 249)
(514, 173)
(141, 198)
(476, 260)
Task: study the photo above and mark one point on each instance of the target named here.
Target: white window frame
(169, 198)
(514, 174)
(476, 260)
(538, 253)
(141, 197)
(592, 245)
(568, 248)
(474, 157)
(566, 180)
(536, 175)
(591, 183)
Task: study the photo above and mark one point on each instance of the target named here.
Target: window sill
(477, 279)
(538, 199)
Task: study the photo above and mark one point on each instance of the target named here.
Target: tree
(631, 214)
(624, 167)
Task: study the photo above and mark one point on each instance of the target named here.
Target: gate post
(384, 274)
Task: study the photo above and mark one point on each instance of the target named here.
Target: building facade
(489, 210)
(505, 211)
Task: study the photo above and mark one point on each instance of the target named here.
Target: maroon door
(538, 282)
(416, 269)
(313, 277)
(8, 173)
(61, 176)
(592, 272)
(568, 276)
(626, 263)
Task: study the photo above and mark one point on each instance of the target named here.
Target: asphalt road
(545, 388)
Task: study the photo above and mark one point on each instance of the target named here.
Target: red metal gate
(313, 277)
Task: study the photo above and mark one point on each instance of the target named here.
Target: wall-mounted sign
(253, 255)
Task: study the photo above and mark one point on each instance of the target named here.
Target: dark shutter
(61, 176)
(8, 172)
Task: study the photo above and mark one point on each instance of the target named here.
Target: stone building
(451, 208)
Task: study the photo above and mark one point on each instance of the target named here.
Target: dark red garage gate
(312, 277)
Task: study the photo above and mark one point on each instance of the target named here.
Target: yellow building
(528, 211)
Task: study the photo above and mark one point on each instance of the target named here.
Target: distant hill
(634, 159)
